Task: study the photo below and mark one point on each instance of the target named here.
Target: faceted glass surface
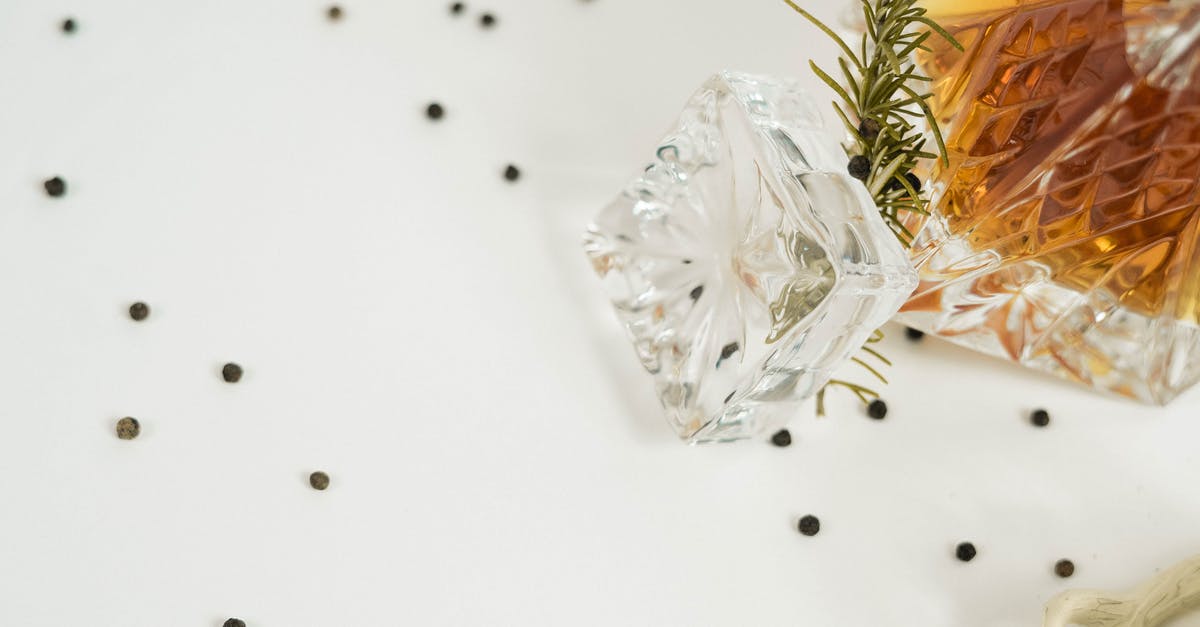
(744, 263)
(1066, 227)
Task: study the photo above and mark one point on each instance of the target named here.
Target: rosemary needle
(880, 107)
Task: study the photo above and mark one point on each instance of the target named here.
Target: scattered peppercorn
(1064, 568)
(728, 350)
(877, 409)
(809, 525)
(234, 622)
(457, 8)
(487, 20)
(139, 311)
(1040, 417)
(696, 292)
(914, 334)
(318, 480)
(231, 372)
(894, 183)
(55, 187)
(334, 12)
(511, 173)
(859, 167)
(965, 551)
(68, 26)
(913, 181)
(782, 438)
(128, 428)
(435, 111)
(869, 129)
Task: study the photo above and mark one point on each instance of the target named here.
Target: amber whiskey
(1065, 228)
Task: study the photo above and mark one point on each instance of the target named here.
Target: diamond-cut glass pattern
(1066, 226)
(744, 263)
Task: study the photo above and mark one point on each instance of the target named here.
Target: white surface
(432, 337)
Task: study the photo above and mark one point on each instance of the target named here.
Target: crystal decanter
(1064, 231)
(744, 262)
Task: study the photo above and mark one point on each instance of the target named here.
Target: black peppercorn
(139, 311)
(894, 184)
(809, 525)
(55, 187)
(859, 167)
(869, 129)
(435, 111)
(1040, 417)
(234, 622)
(68, 26)
(511, 173)
(696, 292)
(128, 428)
(782, 438)
(318, 480)
(487, 20)
(877, 409)
(457, 8)
(914, 334)
(334, 12)
(728, 350)
(231, 372)
(965, 551)
(1064, 568)
(913, 181)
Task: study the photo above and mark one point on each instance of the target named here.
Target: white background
(432, 337)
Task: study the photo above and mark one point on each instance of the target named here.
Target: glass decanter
(1064, 231)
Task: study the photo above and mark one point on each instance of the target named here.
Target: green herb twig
(879, 106)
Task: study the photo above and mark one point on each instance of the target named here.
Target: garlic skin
(1170, 594)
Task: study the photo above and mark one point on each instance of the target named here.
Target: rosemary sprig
(879, 106)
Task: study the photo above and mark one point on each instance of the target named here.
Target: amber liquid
(1068, 150)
